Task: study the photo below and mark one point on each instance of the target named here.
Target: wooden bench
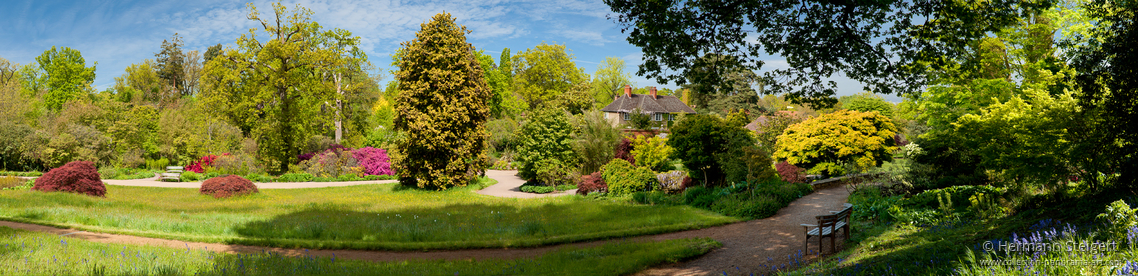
(828, 226)
(173, 173)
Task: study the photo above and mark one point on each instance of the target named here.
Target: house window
(657, 117)
(671, 117)
(625, 116)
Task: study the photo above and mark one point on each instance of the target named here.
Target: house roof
(661, 104)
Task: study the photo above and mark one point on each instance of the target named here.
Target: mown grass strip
(31, 253)
(380, 216)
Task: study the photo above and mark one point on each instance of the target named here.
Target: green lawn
(379, 216)
(32, 253)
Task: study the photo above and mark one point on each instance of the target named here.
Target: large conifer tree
(442, 106)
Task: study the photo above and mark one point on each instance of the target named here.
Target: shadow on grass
(463, 226)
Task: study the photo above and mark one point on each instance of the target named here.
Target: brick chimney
(652, 91)
(628, 91)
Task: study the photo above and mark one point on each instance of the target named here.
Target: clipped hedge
(79, 177)
(624, 179)
(227, 186)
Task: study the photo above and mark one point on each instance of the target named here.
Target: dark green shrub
(624, 179)
(537, 189)
(348, 177)
(740, 205)
(640, 197)
(545, 140)
(299, 177)
(699, 197)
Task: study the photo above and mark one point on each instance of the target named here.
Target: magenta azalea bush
(374, 161)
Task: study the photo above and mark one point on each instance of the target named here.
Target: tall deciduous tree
(886, 45)
(274, 89)
(140, 82)
(65, 75)
(442, 107)
(543, 73)
(608, 79)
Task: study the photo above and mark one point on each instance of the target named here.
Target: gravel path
(509, 186)
(756, 246)
(751, 247)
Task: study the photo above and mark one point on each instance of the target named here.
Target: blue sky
(119, 33)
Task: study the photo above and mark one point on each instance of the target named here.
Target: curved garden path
(509, 186)
(751, 247)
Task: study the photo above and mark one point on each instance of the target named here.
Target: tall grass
(32, 253)
(380, 216)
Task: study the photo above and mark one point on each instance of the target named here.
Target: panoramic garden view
(773, 138)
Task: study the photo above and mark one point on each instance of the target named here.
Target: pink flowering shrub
(200, 165)
(374, 161)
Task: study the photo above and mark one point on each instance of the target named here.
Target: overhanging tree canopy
(886, 45)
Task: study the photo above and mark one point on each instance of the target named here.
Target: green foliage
(157, 164)
(503, 102)
(171, 62)
(1119, 218)
(140, 83)
(608, 80)
(822, 144)
(718, 151)
(1023, 139)
(866, 102)
(65, 76)
(295, 177)
(624, 179)
(768, 132)
(277, 90)
(543, 73)
(16, 151)
(640, 120)
(595, 140)
(651, 152)
(546, 139)
(502, 138)
(188, 176)
(876, 43)
(696, 139)
(442, 107)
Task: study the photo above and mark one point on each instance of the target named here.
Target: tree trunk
(339, 106)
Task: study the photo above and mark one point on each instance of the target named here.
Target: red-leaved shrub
(790, 173)
(79, 177)
(592, 183)
(227, 186)
(624, 150)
